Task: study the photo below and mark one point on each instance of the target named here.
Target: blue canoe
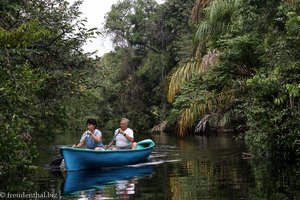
(77, 159)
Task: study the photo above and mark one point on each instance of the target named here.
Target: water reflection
(92, 194)
(203, 168)
(195, 168)
(125, 188)
(210, 168)
(89, 183)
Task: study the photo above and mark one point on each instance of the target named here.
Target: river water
(214, 167)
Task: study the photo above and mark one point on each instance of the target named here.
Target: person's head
(124, 123)
(91, 124)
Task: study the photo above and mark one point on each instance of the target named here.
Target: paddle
(112, 139)
(57, 162)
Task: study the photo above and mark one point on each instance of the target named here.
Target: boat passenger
(92, 138)
(123, 137)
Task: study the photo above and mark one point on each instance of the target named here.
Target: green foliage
(148, 43)
(241, 70)
(18, 110)
(19, 83)
(17, 151)
(42, 64)
(274, 107)
(218, 18)
(131, 22)
(24, 35)
(258, 62)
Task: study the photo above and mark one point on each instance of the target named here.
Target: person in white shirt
(123, 137)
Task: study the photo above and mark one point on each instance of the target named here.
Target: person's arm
(127, 136)
(80, 144)
(97, 137)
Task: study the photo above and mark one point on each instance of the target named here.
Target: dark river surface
(213, 167)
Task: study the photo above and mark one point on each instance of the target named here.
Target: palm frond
(189, 69)
(292, 1)
(182, 74)
(218, 16)
(209, 59)
(203, 32)
(222, 8)
(185, 120)
(202, 125)
(197, 11)
(211, 104)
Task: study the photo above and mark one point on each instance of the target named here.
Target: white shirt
(121, 140)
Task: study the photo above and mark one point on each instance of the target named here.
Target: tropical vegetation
(244, 74)
(190, 66)
(42, 64)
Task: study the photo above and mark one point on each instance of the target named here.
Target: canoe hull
(77, 159)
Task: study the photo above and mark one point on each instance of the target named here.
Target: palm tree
(215, 21)
(211, 106)
(185, 72)
(214, 18)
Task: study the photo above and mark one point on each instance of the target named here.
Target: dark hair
(91, 121)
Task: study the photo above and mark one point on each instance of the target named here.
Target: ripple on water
(162, 154)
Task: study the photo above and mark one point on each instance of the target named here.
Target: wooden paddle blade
(56, 162)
